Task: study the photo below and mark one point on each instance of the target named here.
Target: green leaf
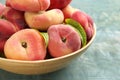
(80, 29)
(45, 36)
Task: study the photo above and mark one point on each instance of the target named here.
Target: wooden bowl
(42, 66)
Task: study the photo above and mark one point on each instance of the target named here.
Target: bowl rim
(54, 59)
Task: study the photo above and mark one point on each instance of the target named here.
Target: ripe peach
(60, 4)
(6, 30)
(26, 44)
(28, 5)
(43, 20)
(86, 21)
(68, 11)
(16, 17)
(63, 39)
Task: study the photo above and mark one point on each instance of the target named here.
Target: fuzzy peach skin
(63, 39)
(1, 9)
(60, 4)
(6, 30)
(16, 17)
(28, 5)
(43, 20)
(26, 44)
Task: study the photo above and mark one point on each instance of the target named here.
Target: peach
(28, 5)
(16, 17)
(44, 19)
(6, 30)
(63, 39)
(26, 44)
(68, 11)
(60, 4)
(86, 21)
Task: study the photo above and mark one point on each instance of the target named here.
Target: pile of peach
(33, 29)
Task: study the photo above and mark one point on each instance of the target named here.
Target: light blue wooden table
(102, 60)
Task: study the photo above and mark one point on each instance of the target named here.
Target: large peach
(63, 39)
(28, 5)
(86, 21)
(26, 44)
(16, 17)
(6, 30)
(43, 20)
(60, 4)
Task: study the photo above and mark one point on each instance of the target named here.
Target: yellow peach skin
(29, 5)
(68, 11)
(43, 20)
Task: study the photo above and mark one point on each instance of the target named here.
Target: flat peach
(43, 20)
(28, 5)
(63, 39)
(26, 44)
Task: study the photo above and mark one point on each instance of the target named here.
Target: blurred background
(102, 60)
